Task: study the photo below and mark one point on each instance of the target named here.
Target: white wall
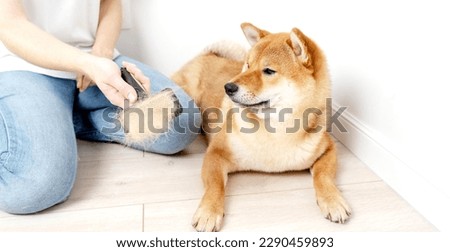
(389, 65)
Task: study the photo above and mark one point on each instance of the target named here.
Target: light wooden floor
(120, 189)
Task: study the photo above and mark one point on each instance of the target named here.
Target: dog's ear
(253, 33)
(298, 43)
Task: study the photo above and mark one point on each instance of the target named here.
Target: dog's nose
(231, 89)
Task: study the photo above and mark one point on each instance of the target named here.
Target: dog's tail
(227, 49)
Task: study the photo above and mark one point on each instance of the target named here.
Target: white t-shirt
(71, 21)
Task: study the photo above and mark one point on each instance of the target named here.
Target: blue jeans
(40, 119)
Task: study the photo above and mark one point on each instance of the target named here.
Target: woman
(50, 54)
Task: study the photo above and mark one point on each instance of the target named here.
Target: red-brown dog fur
(301, 81)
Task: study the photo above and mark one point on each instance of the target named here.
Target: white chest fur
(273, 152)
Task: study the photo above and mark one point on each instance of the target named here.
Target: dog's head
(281, 70)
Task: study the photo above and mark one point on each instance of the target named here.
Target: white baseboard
(380, 155)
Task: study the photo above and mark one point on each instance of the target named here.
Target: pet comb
(129, 78)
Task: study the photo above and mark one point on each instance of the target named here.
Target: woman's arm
(35, 45)
(108, 31)
(41, 48)
(109, 26)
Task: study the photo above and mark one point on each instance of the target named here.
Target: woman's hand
(83, 81)
(106, 74)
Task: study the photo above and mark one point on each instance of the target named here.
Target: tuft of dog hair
(148, 118)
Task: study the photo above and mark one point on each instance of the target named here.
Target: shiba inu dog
(273, 104)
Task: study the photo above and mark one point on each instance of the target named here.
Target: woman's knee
(38, 174)
(184, 130)
(37, 189)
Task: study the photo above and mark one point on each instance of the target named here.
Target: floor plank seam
(171, 201)
(298, 189)
(143, 218)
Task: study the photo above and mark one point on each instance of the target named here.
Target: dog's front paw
(207, 219)
(334, 208)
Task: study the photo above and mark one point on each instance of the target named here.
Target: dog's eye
(268, 71)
